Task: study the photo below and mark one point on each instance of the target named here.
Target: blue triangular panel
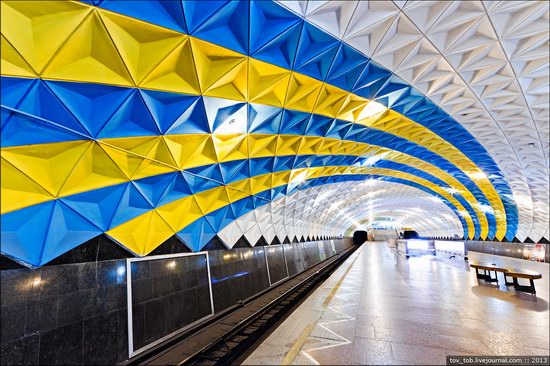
(176, 114)
(264, 119)
(220, 218)
(281, 50)
(211, 172)
(227, 27)
(152, 188)
(98, 205)
(347, 58)
(267, 21)
(372, 79)
(167, 14)
(318, 125)
(197, 234)
(260, 166)
(24, 232)
(347, 79)
(131, 204)
(20, 129)
(178, 188)
(313, 42)
(197, 183)
(12, 90)
(41, 102)
(67, 231)
(294, 123)
(131, 119)
(197, 12)
(220, 113)
(233, 171)
(242, 207)
(318, 66)
(91, 104)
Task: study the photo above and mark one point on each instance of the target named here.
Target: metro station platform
(381, 308)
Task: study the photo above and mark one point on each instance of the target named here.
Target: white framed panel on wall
(166, 294)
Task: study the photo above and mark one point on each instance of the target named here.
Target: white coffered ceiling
(486, 63)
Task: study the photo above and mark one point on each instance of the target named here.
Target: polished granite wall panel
(294, 258)
(64, 314)
(311, 253)
(167, 295)
(236, 275)
(76, 313)
(276, 263)
(514, 250)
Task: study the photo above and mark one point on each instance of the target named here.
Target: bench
(514, 273)
(522, 273)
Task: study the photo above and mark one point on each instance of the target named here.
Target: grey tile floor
(380, 308)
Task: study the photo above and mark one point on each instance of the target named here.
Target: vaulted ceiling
(144, 120)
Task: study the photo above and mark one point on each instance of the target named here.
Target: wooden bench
(487, 268)
(515, 273)
(522, 273)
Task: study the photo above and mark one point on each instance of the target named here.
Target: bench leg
(507, 283)
(530, 288)
(533, 291)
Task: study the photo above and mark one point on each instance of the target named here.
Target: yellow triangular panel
(212, 199)
(231, 147)
(302, 92)
(288, 144)
(243, 186)
(330, 101)
(142, 234)
(260, 183)
(161, 153)
(191, 150)
(280, 178)
(213, 62)
(236, 194)
(232, 85)
(127, 162)
(310, 145)
(176, 72)
(94, 170)
(48, 164)
(261, 145)
(267, 84)
(89, 55)
(180, 213)
(148, 168)
(351, 108)
(138, 145)
(159, 232)
(38, 28)
(141, 45)
(12, 62)
(332, 146)
(18, 190)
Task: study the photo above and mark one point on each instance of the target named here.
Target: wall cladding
(77, 313)
(514, 250)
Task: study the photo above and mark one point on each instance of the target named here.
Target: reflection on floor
(380, 308)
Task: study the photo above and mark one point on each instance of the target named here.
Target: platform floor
(380, 308)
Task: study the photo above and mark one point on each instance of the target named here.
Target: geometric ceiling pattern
(143, 120)
(486, 63)
(334, 208)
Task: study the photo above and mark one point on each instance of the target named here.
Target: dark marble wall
(65, 314)
(514, 250)
(276, 263)
(236, 275)
(76, 313)
(167, 295)
(294, 258)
